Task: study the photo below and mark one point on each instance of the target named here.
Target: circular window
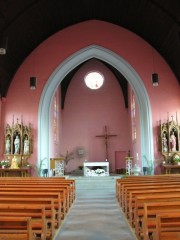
(94, 80)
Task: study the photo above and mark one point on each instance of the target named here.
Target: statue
(14, 163)
(164, 143)
(16, 145)
(173, 142)
(26, 145)
(8, 145)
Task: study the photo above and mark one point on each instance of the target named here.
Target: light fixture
(155, 81)
(33, 81)
(3, 45)
(154, 76)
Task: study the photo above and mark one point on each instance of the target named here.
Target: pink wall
(52, 52)
(86, 113)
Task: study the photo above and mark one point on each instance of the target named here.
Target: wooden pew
(147, 185)
(15, 228)
(142, 179)
(47, 203)
(167, 226)
(144, 198)
(128, 196)
(35, 212)
(145, 192)
(151, 210)
(42, 185)
(56, 180)
(127, 187)
(64, 194)
(12, 186)
(69, 184)
(53, 195)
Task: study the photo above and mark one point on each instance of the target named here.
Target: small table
(15, 172)
(169, 167)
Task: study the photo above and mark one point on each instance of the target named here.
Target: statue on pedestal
(164, 143)
(16, 145)
(14, 163)
(26, 146)
(8, 146)
(173, 142)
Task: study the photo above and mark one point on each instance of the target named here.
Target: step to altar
(97, 184)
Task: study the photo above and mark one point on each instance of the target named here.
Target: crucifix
(106, 137)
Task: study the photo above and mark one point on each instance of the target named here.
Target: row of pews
(152, 205)
(33, 208)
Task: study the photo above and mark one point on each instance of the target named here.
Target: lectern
(129, 165)
(57, 166)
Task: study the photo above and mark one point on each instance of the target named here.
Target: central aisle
(95, 214)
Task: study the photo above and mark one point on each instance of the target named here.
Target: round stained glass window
(94, 80)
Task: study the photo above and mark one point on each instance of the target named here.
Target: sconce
(3, 45)
(33, 81)
(155, 81)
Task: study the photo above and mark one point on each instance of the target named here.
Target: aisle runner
(95, 215)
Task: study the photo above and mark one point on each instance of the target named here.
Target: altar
(96, 169)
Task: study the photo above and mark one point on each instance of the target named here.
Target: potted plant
(149, 168)
(4, 163)
(67, 157)
(80, 167)
(176, 159)
(39, 166)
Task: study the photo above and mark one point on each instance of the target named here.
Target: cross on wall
(106, 137)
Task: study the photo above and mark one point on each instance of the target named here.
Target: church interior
(90, 106)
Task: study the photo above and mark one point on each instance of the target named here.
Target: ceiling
(156, 21)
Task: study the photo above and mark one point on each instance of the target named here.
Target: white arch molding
(121, 65)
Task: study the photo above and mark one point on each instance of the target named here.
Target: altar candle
(137, 156)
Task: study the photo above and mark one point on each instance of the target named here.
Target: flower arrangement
(99, 171)
(4, 163)
(176, 158)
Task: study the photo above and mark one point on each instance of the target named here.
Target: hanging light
(154, 76)
(3, 45)
(155, 81)
(33, 82)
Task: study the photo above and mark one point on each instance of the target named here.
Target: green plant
(39, 166)
(177, 158)
(5, 163)
(68, 157)
(149, 168)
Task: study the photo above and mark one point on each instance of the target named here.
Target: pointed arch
(121, 65)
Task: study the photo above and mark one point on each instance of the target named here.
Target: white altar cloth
(103, 169)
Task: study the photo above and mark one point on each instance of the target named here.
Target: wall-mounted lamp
(33, 81)
(155, 81)
(3, 45)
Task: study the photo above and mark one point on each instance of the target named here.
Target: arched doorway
(121, 65)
